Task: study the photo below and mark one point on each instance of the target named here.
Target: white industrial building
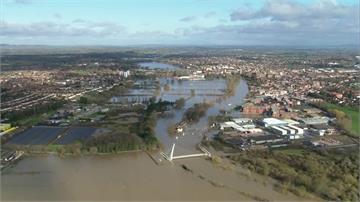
(290, 121)
(279, 131)
(267, 122)
(242, 128)
(292, 137)
(289, 131)
(242, 120)
(300, 131)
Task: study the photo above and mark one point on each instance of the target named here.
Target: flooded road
(135, 176)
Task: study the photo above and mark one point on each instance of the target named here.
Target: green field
(351, 113)
(34, 119)
(290, 151)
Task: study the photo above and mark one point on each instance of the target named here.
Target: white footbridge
(171, 157)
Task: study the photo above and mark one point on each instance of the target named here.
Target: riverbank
(68, 150)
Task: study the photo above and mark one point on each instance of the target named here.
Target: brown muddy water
(131, 176)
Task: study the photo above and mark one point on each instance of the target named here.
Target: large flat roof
(295, 127)
(279, 129)
(286, 128)
(241, 120)
(290, 121)
(273, 121)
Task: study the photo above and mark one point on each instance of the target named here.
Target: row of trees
(37, 109)
(146, 127)
(326, 95)
(112, 143)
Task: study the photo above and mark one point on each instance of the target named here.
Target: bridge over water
(171, 156)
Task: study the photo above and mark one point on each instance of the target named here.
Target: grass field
(54, 147)
(34, 119)
(290, 151)
(351, 113)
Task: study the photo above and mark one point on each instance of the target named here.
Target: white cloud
(277, 22)
(19, 1)
(285, 10)
(324, 20)
(47, 28)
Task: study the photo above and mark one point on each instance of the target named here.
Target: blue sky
(179, 22)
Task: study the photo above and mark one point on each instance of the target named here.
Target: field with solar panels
(44, 135)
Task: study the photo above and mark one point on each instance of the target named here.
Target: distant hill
(9, 49)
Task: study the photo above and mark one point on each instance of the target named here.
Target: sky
(180, 22)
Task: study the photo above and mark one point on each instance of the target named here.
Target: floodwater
(135, 176)
(132, 176)
(157, 65)
(141, 92)
(204, 91)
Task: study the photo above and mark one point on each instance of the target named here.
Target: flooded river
(135, 176)
(157, 65)
(132, 176)
(204, 91)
